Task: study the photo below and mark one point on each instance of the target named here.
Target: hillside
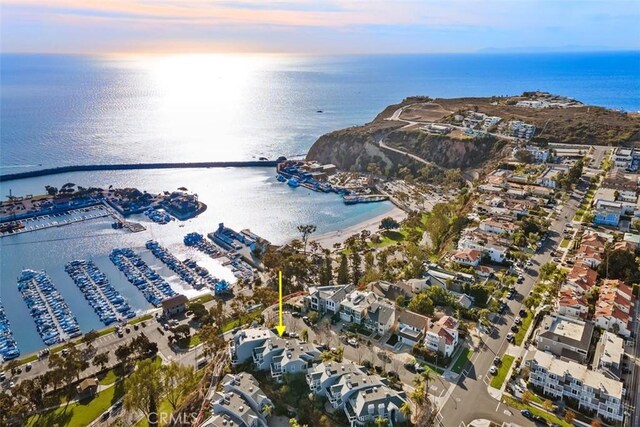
(401, 127)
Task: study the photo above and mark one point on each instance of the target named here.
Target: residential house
(608, 355)
(549, 176)
(353, 307)
(498, 227)
(623, 157)
(469, 257)
(412, 327)
(442, 336)
(391, 291)
(492, 247)
(581, 278)
(572, 304)
(614, 308)
(380, 316)
(540, 155)
(241, 402)
(565, 337)
(282, 356)
(351, 384)
(244, 341)
(592, 390)
(326, 374)
(327, 298)
(364, 407)
(590, 256)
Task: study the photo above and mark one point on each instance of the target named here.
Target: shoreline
(327, 240)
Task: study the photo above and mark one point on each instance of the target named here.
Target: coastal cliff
(399, 136)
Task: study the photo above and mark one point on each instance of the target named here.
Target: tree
(405, 410)
(52, 191)
(182, 331)
(421, 304)
(527, 396)
(306, 231)
(199, 310)
(210, 338)
(142, 389)
(597, 422)
(101, 359)
(548, 405)
(569, 416)
(619, 264)
(356, 271)
(267, 410)
(123, 354)
(388, 223)
(381, 421)
(304, 335)
(524, 156)
(90, 337)
(176, 380)
(343, 270)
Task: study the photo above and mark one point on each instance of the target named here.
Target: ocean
(63, 110)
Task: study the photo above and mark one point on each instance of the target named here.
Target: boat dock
(107, 302)
(188, 270)
(153, 287)
(58, 219)
(54, 321)
(8, 347)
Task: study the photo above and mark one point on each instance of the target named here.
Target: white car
(517, 320)
(353, 342)
(493, 370)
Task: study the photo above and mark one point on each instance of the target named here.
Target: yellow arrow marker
(281, 327)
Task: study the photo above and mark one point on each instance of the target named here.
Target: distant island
(467, 133)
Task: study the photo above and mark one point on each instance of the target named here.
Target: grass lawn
(248, 318)
(536, 411)
(390, 237)
(433, 369)
(462, 360)
(564, 243)
(164, 412)
(526, 321)
(109, 377)
(193, 341)
(503, 370)
(202, 299)
(80, 413)
(141, 319)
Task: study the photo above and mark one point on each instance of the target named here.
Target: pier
(137, 166)
(54, 321)
(154, 288)
(107, 303)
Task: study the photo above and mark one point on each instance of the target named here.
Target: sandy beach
(327, 240)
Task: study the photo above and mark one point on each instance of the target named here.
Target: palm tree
(381, 421)
(267, 410)
(405, 410)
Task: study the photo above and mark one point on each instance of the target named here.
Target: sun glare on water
(201, 100)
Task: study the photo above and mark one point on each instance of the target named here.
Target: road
(468, 399)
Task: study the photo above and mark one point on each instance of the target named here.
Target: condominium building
(565, 337)
(593, 391)
(240, 403)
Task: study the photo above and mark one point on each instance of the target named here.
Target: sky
(317, 26)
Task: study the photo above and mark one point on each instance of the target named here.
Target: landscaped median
(517, 404)
(524, 326)
(503, 370)
(462, 360)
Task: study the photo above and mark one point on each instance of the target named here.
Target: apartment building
(615, 307)
(326, 374)
(243, 342)
(565, 337)
(365, 407)
(282, 356)
(593, 391)
(240, 403)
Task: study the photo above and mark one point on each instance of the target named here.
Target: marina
(53, 318)
(107, 302)
(188, 270)
(8, 347)
(154, 288)
(226, 252)
(58, 219)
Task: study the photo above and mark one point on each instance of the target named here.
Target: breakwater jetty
(134, 166)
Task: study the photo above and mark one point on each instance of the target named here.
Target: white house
(412, 327)
(442, 336)
(470, 257)
(326, 298)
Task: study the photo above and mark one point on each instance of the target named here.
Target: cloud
(324, 25)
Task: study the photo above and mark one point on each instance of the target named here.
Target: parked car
(522, 312)
(411, 367)
(352, 342)
(517, 320)
(493, 370)
(497, 361)
(527, 414)
(514, 327)
(510, 337)
(296, 314)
